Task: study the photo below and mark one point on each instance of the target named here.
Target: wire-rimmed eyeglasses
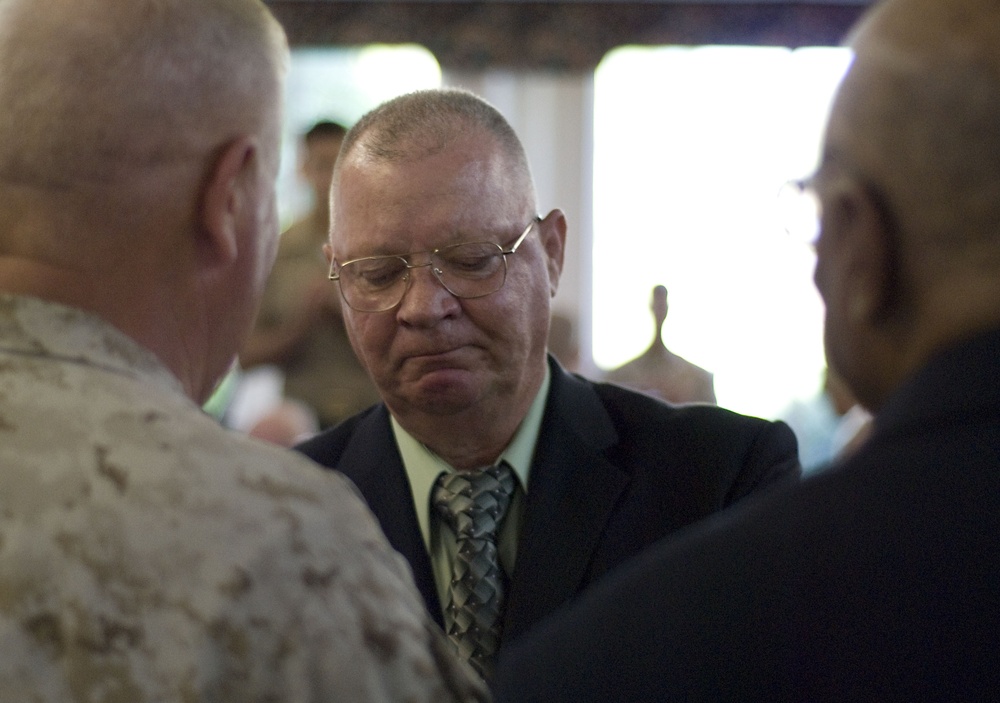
(466, 270)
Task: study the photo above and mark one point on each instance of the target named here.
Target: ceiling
(566, 35)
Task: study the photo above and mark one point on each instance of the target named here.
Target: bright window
(691, 148)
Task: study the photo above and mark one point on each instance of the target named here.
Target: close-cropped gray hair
(424, 122)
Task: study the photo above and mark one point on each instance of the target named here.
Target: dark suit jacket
(878, 580)
(613, 472)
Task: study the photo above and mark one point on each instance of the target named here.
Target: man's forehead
(467, 181)
(459, 169)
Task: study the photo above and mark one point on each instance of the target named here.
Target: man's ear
(552, 232)
(869, 251)
(227, 195)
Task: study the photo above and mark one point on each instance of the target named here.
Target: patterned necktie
(474, 504)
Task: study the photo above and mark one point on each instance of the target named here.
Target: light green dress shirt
(424, 466)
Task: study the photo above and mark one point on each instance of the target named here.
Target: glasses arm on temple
(524, 235)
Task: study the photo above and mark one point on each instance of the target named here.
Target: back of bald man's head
(966, 27)
(919, 115)
(96, 90)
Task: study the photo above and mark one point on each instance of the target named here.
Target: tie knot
(474, 502)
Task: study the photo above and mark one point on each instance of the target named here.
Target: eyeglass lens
(467, 270)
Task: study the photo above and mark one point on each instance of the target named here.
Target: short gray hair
(424, 122)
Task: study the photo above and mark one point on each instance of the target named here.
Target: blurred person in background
(661, 373)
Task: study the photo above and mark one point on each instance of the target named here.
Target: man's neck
(141, 315)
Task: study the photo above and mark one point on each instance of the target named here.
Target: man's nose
(426, 298)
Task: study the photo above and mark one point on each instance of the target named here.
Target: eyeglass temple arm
(513, 247)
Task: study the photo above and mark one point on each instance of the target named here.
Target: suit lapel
(572, 491)
(371, 460)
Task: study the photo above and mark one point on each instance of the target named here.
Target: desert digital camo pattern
(147, 554)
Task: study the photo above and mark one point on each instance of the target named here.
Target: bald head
(94, 90)
(919, 114)
(909, 255)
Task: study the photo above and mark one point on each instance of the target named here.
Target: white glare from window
(692, 146)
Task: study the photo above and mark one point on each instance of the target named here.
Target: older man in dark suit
(877, 580)
(509, 484)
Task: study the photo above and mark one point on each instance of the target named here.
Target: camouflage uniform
(147, 554)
